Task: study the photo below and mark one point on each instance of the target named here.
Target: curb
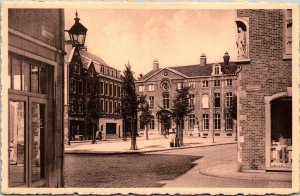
(140, 152)
(242, 178)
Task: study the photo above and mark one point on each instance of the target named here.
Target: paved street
(175, 168)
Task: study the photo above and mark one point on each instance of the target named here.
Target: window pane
(16, 148)
(34, 78)
(16, 74)
(25, 76)
(37, 144)
(43, 80)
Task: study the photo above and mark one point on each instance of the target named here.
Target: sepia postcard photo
(149, 98)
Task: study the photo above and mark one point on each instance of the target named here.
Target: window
(191, 121)
(217, 100)
(151, 125)
(229, 122)
(151, 87)
(217, 69)
(80, 106)
(141, 88)
(166, 103)
(76, 68)
(106, 89)
(72, 85)
(115, 107)
(205, 122)
(115, 90)
(102, 105)
(229, 98)
(205, 84)
(217, 83)
(179, 85)
(101, 88)
(80, 87)
(192, 85)
(288, 31)
(151, 102)
(102, 69)
(119, 107)
(106, 106)
(205, 101)
(111, 89)
(119, 91)
(217, 121)
(35, 79)
(229, 82)
(192, 100)
(111, 107)
(72, 106)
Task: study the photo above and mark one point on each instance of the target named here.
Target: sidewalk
(155, 143)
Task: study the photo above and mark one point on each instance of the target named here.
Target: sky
(175, 37)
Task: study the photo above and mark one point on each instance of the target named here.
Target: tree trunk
(236, 136)
(147, 136)
(181, 137)
(133, 138)
(93, 136)
(177, 135)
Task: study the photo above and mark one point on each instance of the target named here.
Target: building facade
(211, 94)
(35, 97)
(90, 77)
(264, 92)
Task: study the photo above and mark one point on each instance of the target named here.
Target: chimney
(155, 64)
(226, 58)
(202, 59)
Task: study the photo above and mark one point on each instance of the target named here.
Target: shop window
(217, 100)
(229, 122)
(217, 121)
(205, 119)
(166, 101)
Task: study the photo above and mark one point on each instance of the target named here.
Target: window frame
(205, 121)
(217, 121)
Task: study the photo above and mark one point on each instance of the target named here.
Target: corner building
(264, 91)
(35, 97)
(211, 93)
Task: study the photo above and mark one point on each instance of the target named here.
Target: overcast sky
(175, 37)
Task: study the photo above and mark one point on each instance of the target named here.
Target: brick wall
(266, 74)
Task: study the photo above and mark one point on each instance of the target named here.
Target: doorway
(27, 127)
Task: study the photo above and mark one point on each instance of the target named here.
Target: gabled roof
(194, 70)
(185, 71)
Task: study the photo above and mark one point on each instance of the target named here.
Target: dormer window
(102, 69)
(217, 69)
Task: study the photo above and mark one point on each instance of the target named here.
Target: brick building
(264, 90)
(35, 98)
(211, 93)
(89, 77)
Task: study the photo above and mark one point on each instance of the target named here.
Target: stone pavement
(219, 166)
(155, 143)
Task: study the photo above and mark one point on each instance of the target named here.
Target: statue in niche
(241, 43)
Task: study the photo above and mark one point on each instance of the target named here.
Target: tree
(92, 115)
(145, 117)
(129, 103)
(181, 109)
(163, 115)
(233, 111)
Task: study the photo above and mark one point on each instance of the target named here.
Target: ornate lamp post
(77, 33)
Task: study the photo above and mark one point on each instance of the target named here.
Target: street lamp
(77, 33)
